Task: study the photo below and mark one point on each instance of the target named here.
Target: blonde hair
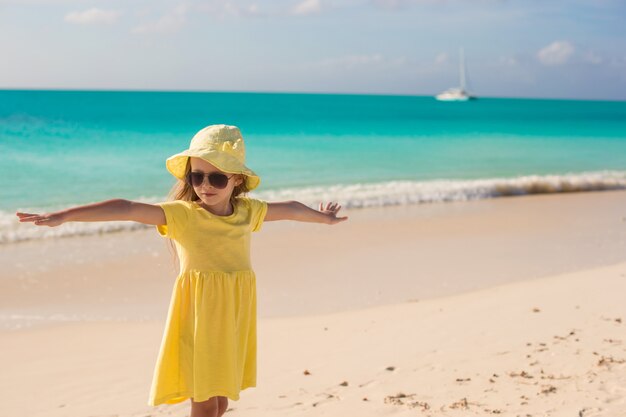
(185, 192)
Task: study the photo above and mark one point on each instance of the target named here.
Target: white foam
(417, 192)
(382, 194)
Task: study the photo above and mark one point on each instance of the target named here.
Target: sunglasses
(216, 179)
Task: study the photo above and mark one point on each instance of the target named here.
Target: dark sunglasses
(216, 179)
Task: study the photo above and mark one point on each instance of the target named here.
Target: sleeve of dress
(258, 209)
(176, 218)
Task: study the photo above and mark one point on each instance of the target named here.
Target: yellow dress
(209, 342)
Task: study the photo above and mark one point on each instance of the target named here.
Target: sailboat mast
(462, 68)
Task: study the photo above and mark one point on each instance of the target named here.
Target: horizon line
(119, 90)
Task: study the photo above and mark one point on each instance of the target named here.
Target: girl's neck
(224, 210)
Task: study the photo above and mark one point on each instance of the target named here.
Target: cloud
(228, 8)
(170, 22)
(307, 7)
(440, 63)
(593, 58)
(441, 58)
(508, 61)
(391, 4)
(401, 4)
(223, 9)
(92, 16)
(557, 53)
(251, 10)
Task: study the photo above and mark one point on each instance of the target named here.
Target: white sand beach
(510, 306)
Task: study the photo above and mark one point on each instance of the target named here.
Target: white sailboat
(457, 93)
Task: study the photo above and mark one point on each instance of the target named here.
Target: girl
(208, 349)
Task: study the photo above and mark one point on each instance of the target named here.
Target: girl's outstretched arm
(117, 209)
(294, 210)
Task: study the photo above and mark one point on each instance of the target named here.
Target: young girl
(208, 350)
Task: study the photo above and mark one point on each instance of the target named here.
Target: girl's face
(210, 195)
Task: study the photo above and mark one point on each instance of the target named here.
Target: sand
(511, 306)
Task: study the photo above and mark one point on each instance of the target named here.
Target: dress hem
(182, 396)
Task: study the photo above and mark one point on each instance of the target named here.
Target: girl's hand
(48, 219)
(331, 211)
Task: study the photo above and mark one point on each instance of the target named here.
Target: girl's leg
(222, 403)
(208, 408)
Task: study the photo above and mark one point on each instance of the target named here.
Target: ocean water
(64, 148)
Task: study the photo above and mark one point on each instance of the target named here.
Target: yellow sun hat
(219, 145)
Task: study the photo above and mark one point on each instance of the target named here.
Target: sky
(572, 49)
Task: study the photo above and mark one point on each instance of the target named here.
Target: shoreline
(382, 195)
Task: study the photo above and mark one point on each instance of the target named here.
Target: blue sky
(545, 49)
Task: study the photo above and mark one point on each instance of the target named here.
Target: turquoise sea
(63, 148)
